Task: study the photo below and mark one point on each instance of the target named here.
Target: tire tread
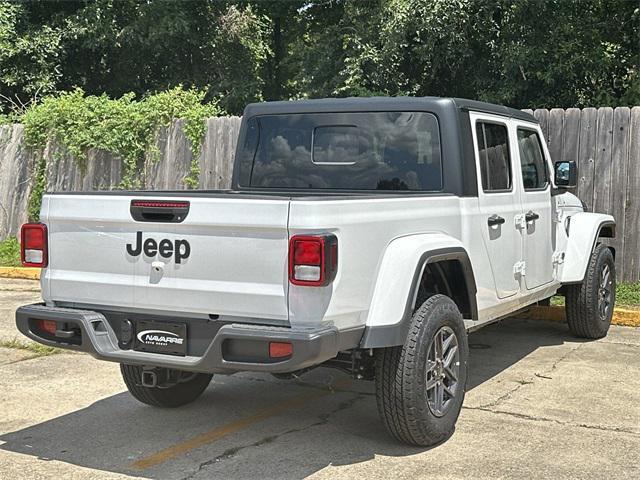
(396, 378)
(581, 306)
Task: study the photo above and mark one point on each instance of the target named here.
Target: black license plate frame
(168, 338)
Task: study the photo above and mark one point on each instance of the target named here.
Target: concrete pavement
(13, 293)
(540, 404)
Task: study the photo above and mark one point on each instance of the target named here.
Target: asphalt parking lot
(540, 404)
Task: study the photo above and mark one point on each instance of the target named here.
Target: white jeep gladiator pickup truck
(366, 234)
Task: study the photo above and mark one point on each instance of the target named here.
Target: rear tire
(190, 387)
(589, 305)
(418, 399)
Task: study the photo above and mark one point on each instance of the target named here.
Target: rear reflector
(47, 326)
(280, 349)
(313, 260)
(33, 245)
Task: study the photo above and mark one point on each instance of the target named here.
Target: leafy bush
(10, 253)
(125, 126)
(39, 187)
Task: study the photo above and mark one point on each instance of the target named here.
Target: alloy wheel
(443, 367)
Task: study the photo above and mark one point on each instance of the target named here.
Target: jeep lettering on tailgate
(180, 248)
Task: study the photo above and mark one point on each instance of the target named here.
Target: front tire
(189, 386)
(589, 305)
(420, 385)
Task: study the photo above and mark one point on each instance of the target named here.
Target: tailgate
(236, 262)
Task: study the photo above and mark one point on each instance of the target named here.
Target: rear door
(539, 244)
(226, 257)
(499, 200)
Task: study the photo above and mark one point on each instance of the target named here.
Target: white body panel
(396, 273)
(365, 229)
(236, 266)
(539, 236)
(583, 231)
(503, 242)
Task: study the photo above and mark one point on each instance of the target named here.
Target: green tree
(115, 47)
(29, 58)
(555, 53)
(526, 53)
(155, 45)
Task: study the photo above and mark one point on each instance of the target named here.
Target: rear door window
(343, 151)
(495, 160)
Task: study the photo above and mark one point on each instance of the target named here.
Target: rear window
(342, 151)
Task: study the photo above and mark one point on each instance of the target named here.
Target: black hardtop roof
(355, 104)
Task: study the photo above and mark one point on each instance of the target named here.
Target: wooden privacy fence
(605, 143)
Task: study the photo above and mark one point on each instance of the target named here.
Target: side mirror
(566, 174)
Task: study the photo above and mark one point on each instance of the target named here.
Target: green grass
(627, 295)
(36, 348)
(10, 253)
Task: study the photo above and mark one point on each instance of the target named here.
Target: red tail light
(313, 260)
(158, 204)
(33, 245)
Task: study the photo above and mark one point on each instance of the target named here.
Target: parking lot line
(234, 426)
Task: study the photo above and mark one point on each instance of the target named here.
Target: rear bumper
(311, 346)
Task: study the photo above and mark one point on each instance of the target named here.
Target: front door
(499, 200)
(538, 228)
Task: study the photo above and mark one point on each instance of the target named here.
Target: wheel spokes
(606, 273)
(451, 355)
(441, 375)
(439, 396)
(448, 391)
(453, 376)
(438, 345)
(447, 343)
(605, 292)
(431, 366)
(433, 382)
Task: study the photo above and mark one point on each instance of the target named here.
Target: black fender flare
(378, 336)
(609, 228)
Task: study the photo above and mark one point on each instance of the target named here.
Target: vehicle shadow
(234, 430)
